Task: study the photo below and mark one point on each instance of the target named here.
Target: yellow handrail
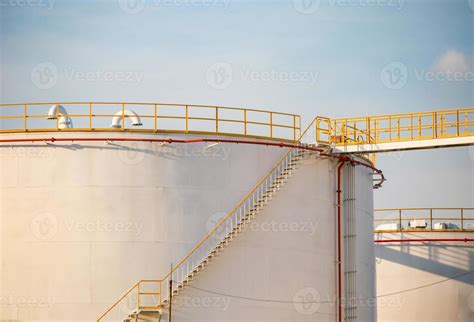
(130, 291)
(430, 218)
(399, 127)
(156, 117)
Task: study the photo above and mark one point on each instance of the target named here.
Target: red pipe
(339, 253)
(381, 241)
(205, 140)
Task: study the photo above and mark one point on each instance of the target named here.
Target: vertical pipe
(339, 256)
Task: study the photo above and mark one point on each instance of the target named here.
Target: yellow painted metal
(428, 214)
(195, 117)
(397, 127)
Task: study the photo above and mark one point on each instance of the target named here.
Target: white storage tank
(425, 275)
(83, 219)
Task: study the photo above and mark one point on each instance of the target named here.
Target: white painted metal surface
(82, 222)
(428, 281)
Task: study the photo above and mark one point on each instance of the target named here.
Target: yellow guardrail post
(123, 117)
(25, 116)
(187, 118)
(90, 115)
(138, 295)
(462, 219)
(217, 120)
(57, 117)
(155, 112)
(245, 122)
(400, 218)
(271, 124)
(431, 218)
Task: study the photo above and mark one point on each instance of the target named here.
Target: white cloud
(452, 61)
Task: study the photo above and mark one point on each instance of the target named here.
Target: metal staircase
(144, 301)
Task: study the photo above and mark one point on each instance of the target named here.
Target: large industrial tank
(425, 276)
(82, 221)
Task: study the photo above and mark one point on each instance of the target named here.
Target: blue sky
(338, 51)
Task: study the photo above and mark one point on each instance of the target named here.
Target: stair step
(251, 213)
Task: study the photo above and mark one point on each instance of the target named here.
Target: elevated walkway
(396, 132)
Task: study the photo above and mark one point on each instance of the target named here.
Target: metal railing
(395, 127)
(208, 244)
(154, 117)
(423, 219)
(145, 294)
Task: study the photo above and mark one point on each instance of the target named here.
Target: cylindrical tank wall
(428, 281)
(82, 222)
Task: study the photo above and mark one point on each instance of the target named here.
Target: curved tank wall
(430, 281)
(82, 222)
